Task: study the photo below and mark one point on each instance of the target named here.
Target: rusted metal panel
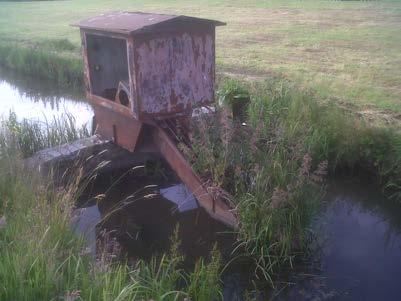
(166, 65)
(87, 80)
(131, 71)
(174, 72)
(192, 67)
(110, 105)
(123, 130)
(153, 75)
(123, 22)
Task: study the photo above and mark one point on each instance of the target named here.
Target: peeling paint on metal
(175, 72)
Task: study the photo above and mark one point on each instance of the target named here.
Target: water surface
(39, 100)
(359, 249)
(357, 254)
(142, 211)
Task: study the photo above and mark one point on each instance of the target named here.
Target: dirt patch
(370, 113)
(247, 74)
(263, 39)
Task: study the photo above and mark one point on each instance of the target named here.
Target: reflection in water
(39, 100)
(84, 221)
(360, 249)
(142, 211)
(358, 231)
(181, 196)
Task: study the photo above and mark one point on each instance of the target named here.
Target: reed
(41, 258)
(44, 61)
(27, 137)
(275, 164)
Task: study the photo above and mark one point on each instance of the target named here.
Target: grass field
(347, 51)
(274, 168)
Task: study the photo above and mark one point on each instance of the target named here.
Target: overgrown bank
(273, 167)
(273, 159)
(44, 61)
(41, 258)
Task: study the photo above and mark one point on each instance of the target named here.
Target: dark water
(142, 210)
(358, 255)
(141, 225)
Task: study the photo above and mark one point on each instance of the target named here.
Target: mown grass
(348, 51)
(274, 166)
(41, 258)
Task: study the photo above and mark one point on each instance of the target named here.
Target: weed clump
(274, 164)
(27, 137)
(41, 258)
(44, 61)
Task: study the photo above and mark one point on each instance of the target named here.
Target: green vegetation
(28, 137)
(42, 259)
(43, 60)
(347, 51)
(274, 166)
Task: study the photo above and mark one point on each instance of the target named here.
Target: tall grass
(27, 137)
(41, 258)
(274, 166)
(44, 61)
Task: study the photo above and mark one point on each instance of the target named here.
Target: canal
(355, 251)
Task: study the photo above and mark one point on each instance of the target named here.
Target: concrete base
(89, 153)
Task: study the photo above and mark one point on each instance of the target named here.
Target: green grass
(347, 51)
(275, 166)
(42, 259)
(27, 137)
(44, 61)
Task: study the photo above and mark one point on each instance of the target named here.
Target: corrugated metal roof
(136, 22)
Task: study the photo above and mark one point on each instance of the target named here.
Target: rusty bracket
(216, 208)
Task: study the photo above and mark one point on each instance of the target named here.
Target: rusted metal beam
(110, 105)
(216, 208)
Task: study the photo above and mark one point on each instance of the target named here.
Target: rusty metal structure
(144, 75)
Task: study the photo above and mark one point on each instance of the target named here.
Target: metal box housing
(149, 65)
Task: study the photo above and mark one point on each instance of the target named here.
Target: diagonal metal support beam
(216, 208)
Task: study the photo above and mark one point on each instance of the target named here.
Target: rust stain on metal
(145, 69)
(215, 207)
(137, 22)
(113, 125)
(86, 64)
(174, 72)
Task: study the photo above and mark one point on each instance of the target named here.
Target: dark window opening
(123, 97)
(108, 65)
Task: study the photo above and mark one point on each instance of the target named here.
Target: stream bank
(137, 234)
